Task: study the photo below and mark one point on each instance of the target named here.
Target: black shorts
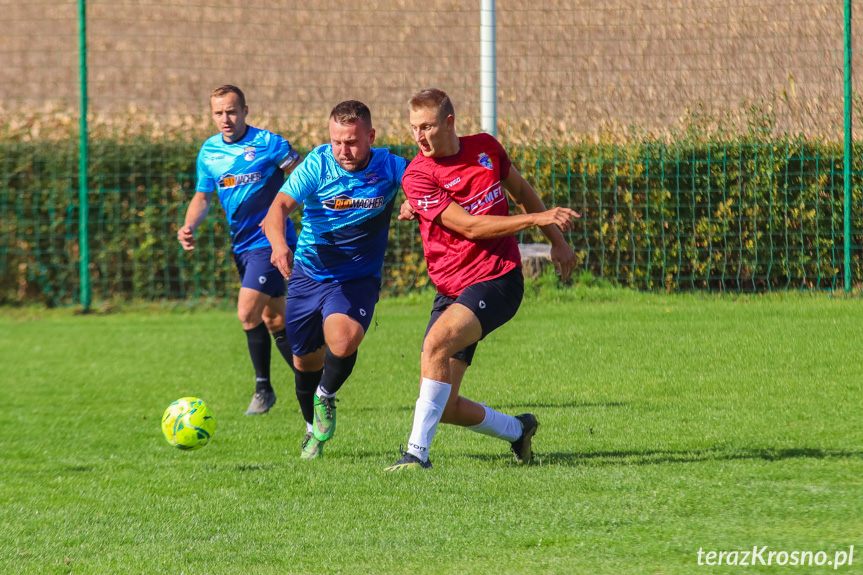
(493, 302)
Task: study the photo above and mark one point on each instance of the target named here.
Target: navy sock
(284, 347)
(260, 350)
(306, 382)
(336, 371)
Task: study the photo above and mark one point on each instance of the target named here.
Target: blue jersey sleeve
(399, 167)
(206, 183)
(282, 152)
(305, 179)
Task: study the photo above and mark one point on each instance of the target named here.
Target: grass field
(669, 424)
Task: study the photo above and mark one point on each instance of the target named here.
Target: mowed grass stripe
(668, 424)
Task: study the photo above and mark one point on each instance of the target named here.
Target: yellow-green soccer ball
(188, 423)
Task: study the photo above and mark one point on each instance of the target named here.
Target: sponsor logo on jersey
(485, 161)
(426, 202)
(452, 183)
(249, 153)
(343, 202)
(485, 201)
(231, 180)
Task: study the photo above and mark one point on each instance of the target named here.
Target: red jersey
(472, 178)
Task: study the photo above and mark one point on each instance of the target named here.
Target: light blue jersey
(247, 175)
(346, 215)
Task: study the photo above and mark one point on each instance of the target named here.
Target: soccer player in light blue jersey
(246, 167)
(348, 190)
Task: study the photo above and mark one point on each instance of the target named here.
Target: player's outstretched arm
(274, 226)
(529, 201)
(198, 209)
(473, 227)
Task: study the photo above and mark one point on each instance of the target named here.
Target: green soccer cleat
(325, 418)
(409, 462)
(521, 447)
(312, 448)
(262, 401)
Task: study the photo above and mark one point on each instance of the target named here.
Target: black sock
(259, 349)
(306, 383)
(336, 371)
(284, 347)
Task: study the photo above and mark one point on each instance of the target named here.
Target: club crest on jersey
(343, 202)
(231, 180)
(485, 161)
(249, 153)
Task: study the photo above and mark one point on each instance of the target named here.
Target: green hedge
(737, 216)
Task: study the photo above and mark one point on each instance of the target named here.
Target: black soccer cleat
(409, 462)
(521, 447)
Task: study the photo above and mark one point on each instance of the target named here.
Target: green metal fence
(706, 149)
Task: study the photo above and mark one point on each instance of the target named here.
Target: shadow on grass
(516, 406)
(658, 457)
(555, 405)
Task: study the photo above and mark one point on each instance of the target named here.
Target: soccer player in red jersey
(455, 188)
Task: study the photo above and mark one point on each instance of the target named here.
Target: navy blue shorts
(493, 302)
(310, 302)
(258, 273)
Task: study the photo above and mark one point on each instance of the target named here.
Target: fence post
(488, 67)
(848, 146)
(83, 175)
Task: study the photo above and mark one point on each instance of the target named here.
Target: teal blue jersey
(346, 215)
(247, 175)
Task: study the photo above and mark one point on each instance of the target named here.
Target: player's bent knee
(344, 342)
(248, 317)
(344, 347)
(439, 348)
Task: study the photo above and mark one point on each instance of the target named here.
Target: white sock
(308, 427)
(429, 409)
(496, 424)
(321, 393)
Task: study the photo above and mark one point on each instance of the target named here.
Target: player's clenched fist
(407, 212)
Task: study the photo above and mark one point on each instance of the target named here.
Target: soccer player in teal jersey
(348, 190)
(246, 167)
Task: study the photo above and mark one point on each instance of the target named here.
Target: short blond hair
(432, 99)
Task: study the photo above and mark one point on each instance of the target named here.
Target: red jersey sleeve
(426, 197)
(505, 163)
